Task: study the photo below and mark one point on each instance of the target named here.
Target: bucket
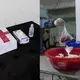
(63, 63)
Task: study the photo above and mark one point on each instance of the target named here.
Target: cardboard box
(7, 41)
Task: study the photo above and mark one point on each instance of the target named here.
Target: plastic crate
(73, 43)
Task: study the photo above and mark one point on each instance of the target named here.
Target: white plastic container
(9, 44)
(31, 31)
(21, 37)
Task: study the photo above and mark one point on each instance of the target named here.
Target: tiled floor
(45, 77)
(55, 77)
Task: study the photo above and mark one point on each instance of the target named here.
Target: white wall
(18, 11)
(78, 20)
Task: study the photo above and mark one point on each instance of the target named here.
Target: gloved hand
(59, 22)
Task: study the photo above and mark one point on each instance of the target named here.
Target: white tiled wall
(52, 4)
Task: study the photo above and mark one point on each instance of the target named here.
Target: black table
(22, 63)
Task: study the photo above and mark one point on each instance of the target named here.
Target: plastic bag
(59, 22)
(65, 36)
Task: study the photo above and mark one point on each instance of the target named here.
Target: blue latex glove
(42, 23)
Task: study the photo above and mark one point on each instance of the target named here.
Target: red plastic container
(63, 63)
